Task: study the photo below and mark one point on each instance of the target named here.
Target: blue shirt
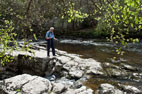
(50, 34)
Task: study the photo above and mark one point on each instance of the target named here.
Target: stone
(66, 67)
(117, 73)
(26, 84)
(76, 73)
(64, 59)
(110, 65)
(137, 77)
(78, 84)
(58, 88)
(130, 89)
(72, 63)
(81, 90)
(108, 89)
(128, 67)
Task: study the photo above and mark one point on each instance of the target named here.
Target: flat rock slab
(108, 89)
(75, 66)
(26, 84)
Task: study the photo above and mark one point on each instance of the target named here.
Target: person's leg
(52, 46)
(48, 47)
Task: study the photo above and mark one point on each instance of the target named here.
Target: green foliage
(8, 42)
(102, 28)
(6, 37)
(73, 14)
(122, 17)
(18, 91)
(27, 18)
(34, 35)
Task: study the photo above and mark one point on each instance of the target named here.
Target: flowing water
(103, 51)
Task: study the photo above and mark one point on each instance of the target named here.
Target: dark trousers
(50, 44)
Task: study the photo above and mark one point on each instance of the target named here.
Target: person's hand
(55, 39)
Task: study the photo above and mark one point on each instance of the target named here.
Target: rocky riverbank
(65, 74)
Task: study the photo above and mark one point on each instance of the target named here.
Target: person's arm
(47, 34)
(54, 37)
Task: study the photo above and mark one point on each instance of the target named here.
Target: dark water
(103, 51)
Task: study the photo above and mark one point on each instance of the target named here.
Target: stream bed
(88, 61)
(103, 52)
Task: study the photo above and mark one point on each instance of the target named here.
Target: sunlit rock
(81, 90)
(26, 84)
(58, 88)
(130, 89)
(108, 89)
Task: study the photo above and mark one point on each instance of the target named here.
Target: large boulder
(58, 88)
(108, 89)
(78, 67)
(26, 84)
(130, 89)
(27, 64)
(128, 67)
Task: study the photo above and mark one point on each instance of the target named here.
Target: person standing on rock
(50, 41)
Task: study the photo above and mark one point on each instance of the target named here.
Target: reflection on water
(101, 51)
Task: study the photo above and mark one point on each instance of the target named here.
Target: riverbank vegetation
(36, 16)
(69, 17)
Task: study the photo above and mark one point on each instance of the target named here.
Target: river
(102, 51)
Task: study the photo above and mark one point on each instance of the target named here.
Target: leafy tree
(6, 37)
(71, 14)
(123, 18)
(8, 42)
